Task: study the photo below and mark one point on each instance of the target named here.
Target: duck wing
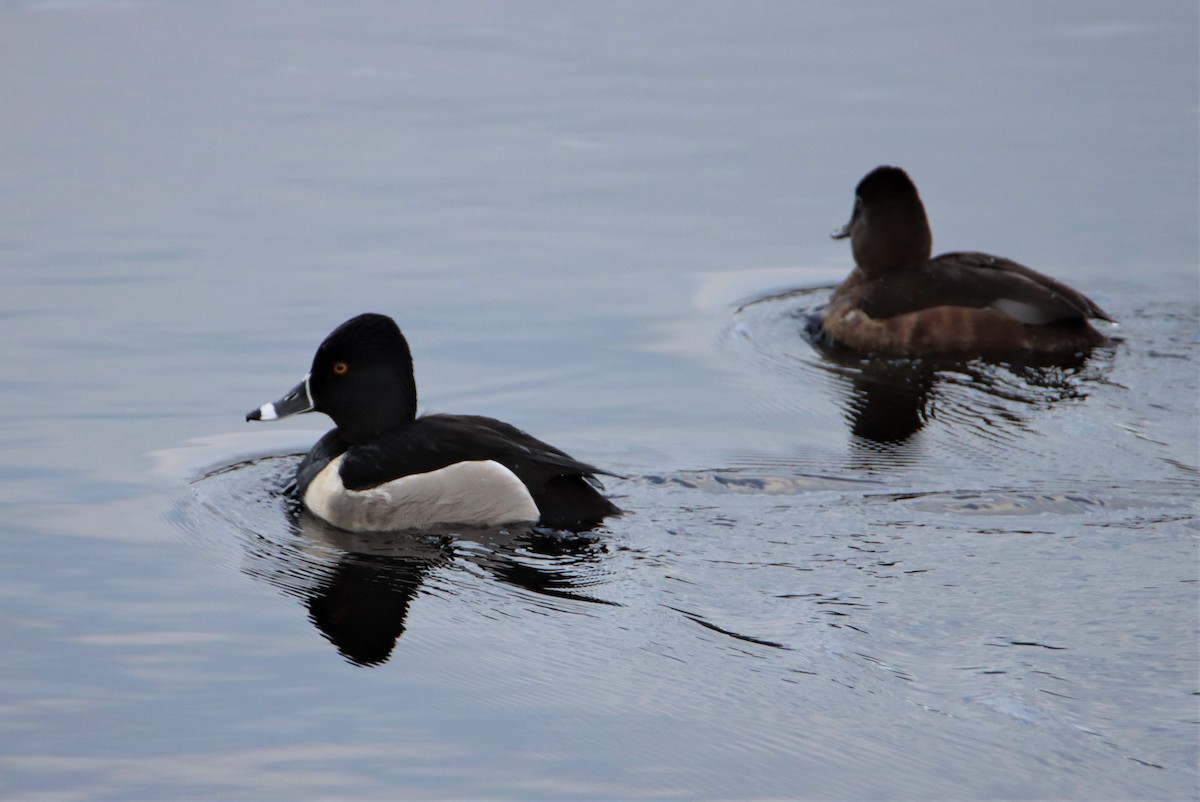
(435, 441)
(982, 281)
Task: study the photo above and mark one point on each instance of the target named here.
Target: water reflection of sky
(565, 206)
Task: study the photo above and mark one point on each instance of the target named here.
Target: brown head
(888, 228)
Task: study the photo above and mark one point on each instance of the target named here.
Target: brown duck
(898, 301)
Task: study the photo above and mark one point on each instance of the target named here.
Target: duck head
(888, 228)
(361, 377)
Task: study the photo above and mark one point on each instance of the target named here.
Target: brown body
(898, 301)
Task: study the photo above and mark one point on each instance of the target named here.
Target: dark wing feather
(435, 441)
(980, 280)
(564, 489)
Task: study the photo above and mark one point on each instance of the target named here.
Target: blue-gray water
(586, 217)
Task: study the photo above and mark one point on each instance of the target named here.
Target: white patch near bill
(267, 412)
(477, 493)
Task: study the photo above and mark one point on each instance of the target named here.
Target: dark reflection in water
(361, 602)
(886, 401)
(358, 587)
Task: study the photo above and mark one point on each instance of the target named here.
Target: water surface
(604, 224)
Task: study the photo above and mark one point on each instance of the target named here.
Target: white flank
(479, 493)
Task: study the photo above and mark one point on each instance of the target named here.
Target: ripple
(909, 413)
(751, 480)
(1016, 503)
(358, 588)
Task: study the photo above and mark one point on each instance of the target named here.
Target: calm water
(604, 223)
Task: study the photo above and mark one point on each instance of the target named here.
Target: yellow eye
(341, 368)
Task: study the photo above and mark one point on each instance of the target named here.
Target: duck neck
(896, 236)
(373, 418)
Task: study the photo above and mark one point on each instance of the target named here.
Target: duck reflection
(888, 401)
(358, 588)
(888, 404)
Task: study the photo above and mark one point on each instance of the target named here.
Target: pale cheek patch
(480, 493)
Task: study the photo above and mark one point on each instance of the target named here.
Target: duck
(900, 301)
(382, 467)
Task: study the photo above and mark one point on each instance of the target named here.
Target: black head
(362, 377)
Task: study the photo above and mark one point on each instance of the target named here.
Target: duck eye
(341, 368)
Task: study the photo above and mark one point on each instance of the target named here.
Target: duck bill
(843, 232)
(297, 400)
